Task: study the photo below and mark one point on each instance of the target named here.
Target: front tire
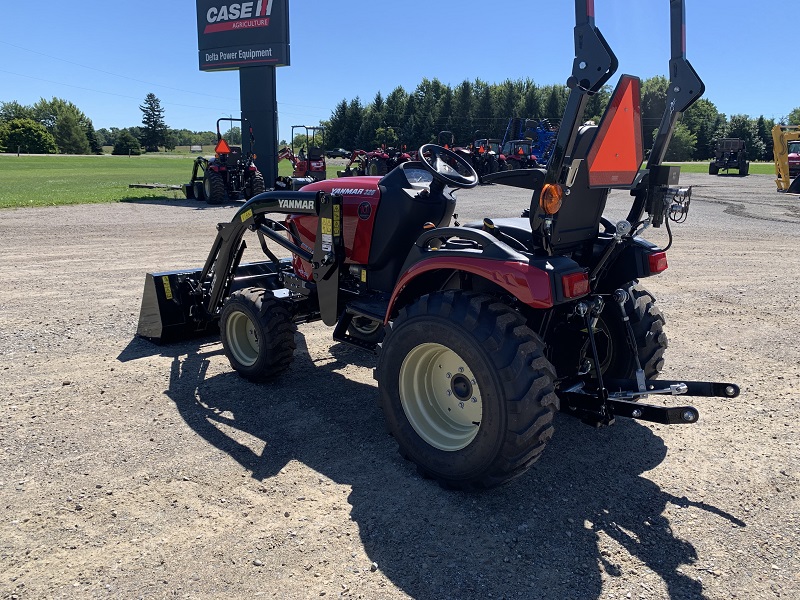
(366, 330)
(466, 390)
(257, 334)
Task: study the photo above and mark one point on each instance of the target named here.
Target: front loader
(482, 330)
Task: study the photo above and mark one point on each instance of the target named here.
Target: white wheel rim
(242, 338)
(440, 397)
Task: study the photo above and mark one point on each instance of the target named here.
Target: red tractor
(309, 161)
(382, 160)
(231, 174)
(357, 158)
(483, 330)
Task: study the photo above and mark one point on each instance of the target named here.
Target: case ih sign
(242, 34)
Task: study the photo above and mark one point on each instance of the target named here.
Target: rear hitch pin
(677, 389)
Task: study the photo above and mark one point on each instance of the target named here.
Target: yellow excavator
(785, 167)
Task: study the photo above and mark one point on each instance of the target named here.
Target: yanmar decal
(353, 192)
(240, 15)
(297, 204)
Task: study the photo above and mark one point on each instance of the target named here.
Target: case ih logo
(241, 15)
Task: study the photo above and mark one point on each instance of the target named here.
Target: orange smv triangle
(616, 153)
(222, 147)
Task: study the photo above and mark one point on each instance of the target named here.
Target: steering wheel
(448, 167)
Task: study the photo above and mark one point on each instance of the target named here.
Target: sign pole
(253, 38)
(260, 107)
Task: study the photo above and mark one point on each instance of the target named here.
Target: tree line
(58, 126)
(476, 109)
(471, 110)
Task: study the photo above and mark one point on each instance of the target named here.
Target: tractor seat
(236, 152)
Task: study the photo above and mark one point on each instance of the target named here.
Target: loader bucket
(172, 312)
(166, 303)
(188, 191)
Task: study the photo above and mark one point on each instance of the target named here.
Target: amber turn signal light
(551, 198)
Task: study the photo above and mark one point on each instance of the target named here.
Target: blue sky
(105, 56)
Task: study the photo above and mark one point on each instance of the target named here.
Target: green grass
(58, 180)
(27, 181)
(756, 168)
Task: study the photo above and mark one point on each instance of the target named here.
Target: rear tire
(213, 187)
(647, 322)
(376, 167)
(466, 390)
(255, 185)
(257, 334)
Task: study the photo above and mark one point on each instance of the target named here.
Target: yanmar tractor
(484, 330)
(231, 174)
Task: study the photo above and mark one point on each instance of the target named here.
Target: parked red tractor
(231, 174)
(484, 330)
(309, 160)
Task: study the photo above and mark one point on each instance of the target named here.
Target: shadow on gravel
(536, 538)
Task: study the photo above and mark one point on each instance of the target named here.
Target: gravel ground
(129, 470)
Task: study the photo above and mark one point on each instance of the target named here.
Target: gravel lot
(129, 470)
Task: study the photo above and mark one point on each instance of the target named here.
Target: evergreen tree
(764, 131)
(744, 128)
(69, 135)
(531, 101)
(794, 117)
(95, 145)
(126, 144)
(337, 126)
(395, 107)
(463, 105)
(704, 120)
(154, 128)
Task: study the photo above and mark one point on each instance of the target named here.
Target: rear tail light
(575, 284)
(551, 197)
(657, 262)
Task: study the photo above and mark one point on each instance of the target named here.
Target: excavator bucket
(794, 188)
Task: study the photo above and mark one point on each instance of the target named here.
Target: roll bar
(595, 63)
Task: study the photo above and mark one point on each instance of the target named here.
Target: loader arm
(781, 136)
(685, 86)
(228, 246)
(593, 66)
